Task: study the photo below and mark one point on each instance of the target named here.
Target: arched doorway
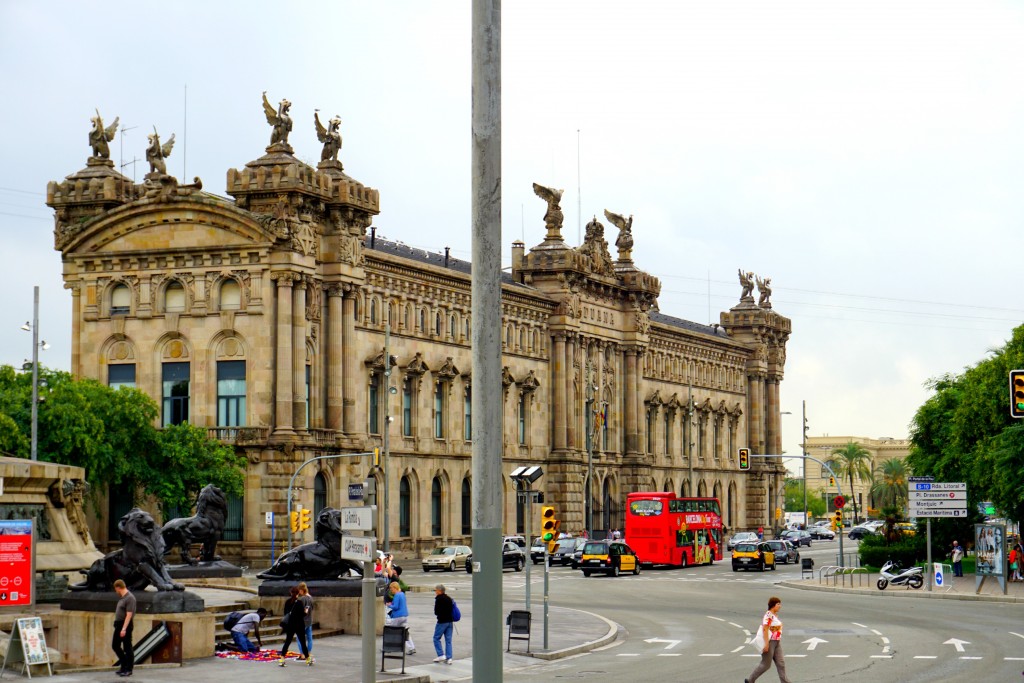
(467, 507)
(319, 493)
(435, 507)
(404, 507)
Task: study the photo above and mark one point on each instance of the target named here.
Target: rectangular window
(439, 411)
(231, 393)
(373, 402)
(467, 415)
(668, 433)
(175, 393)
(407, 409)
(309, 382)
(522, 420)
(121, 375)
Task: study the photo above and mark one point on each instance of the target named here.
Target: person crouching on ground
(240, 631)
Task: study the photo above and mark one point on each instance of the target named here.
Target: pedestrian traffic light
(1017, 393)
(744, 458)
(549, 527)
(304, 515)
(295, 521)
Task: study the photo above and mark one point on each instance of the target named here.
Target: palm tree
(891, 482)
(852, 460)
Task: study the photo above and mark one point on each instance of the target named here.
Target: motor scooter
(892, 573)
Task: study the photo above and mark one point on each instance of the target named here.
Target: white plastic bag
(758, 641)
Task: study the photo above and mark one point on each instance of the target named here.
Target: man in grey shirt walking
(123, 623)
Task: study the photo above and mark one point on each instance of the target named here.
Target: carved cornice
(447, 372)
(529, 383)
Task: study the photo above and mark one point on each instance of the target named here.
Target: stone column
(570, 395)
(283, 356)
(76, 331)
(629, 395)
(773, 438)
(335, 352)
(755, 427)
(559, 386)
(299, 354)
(349, 361)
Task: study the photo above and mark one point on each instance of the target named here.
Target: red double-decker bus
(663, 528)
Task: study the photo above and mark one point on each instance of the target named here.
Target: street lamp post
(36, 345)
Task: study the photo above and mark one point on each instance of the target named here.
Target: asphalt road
(692, 625)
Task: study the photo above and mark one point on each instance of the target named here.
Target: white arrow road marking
(856, 624)
(715, 618)
(957, 643)
(813, 643)
(671, 643)
(1013, 633)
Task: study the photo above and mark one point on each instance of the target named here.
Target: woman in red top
(771, 627)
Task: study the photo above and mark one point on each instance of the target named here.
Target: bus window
(645, 508)
(684, 538)
(713, 505)
(702, 506)
(691, 506)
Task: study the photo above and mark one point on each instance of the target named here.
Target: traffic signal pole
(291, 482)
(831, 473)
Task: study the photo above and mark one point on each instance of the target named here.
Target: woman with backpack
(294, 624)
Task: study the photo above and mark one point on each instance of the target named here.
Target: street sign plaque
(937, 504)
(940, 486)
(938, 495)
(358, 518)
(933, 512)
(357, 548)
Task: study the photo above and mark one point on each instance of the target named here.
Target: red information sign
(16, 564)
(839, 501)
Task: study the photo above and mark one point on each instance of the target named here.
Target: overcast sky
(866, 156)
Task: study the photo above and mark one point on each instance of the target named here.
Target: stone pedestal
(83, 638)
(204, 570)
(334, 612)
(148, 602)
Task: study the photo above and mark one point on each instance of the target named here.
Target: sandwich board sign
(27, 644)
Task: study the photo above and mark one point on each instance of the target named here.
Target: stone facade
(821, 447)
(265, 319)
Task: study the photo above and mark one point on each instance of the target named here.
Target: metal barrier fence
(947, 577)
(836, 574)
(849, 559)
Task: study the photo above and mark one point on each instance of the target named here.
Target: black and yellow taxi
(757, 556)
(610, 557)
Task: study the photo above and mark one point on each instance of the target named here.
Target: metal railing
(835, 575)
(239, 435)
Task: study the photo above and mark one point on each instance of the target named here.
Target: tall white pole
(386, 464)
(35, 371)
(804, 447)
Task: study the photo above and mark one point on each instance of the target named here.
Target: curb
(608, 637)
(918, 594)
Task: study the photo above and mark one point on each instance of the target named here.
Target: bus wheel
(683, 565)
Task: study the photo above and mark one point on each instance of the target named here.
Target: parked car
(577, 554)
(861, 530)
(512, 557)
(610, 557)
(822, 532)
(518, 540)
(753, 556)
(741, 537)
(785, 552)
(907, 528)
(447, 557)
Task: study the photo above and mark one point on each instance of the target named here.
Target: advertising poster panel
(16, 562)
(989, 549)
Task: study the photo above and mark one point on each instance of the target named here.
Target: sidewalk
(570, 632)
(963, 588)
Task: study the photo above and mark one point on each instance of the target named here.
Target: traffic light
(831, 481)
(1017, 393)
(295, 521)
(304, 515)
(839, 519)
(549, 527)
(376, 456)
(744, 458)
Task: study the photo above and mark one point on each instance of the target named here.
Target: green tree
(795, 498)
(187, 460)
(852, 460)
(890, 485)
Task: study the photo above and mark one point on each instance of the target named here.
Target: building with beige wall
(265, 318)
(821, 447)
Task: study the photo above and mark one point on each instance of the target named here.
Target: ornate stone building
(881, 449)
(265, 319)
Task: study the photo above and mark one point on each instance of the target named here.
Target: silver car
(447, 557)
(741, 537)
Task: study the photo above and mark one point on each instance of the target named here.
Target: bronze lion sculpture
(206, 527)
(139, 563)
(319, 560)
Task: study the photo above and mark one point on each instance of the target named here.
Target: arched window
(174, 298)
(508, 337)
(373, 311)
(319, 493)
(452, 327)
(522, 340)
(437, 324)
(120, 303)
(391, 315)
(466, 325)
(435, 507)
(230, 295)
(467, 507)
(439, 410)
(408, 314)
(404, 507)
(522, 419)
